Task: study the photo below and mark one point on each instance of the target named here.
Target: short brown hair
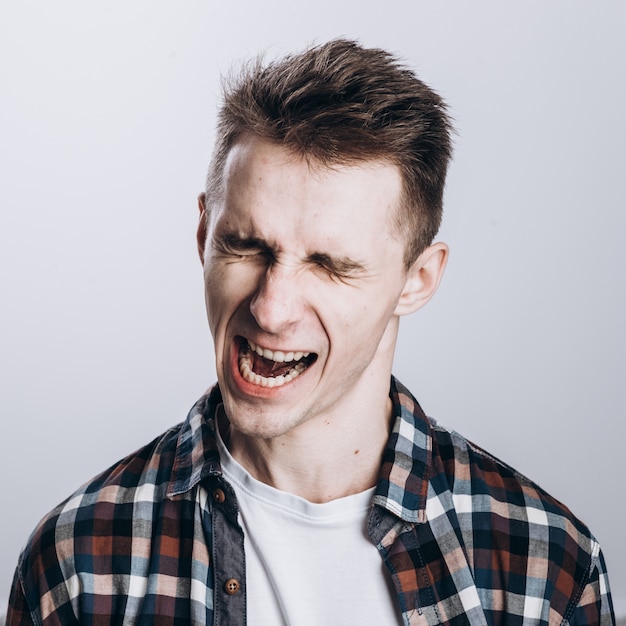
(340, 103)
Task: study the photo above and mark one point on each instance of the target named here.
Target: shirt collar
(402, 485)
(196, 450)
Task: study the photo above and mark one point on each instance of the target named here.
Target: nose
(277, 303)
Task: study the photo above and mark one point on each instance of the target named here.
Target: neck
(327, 458)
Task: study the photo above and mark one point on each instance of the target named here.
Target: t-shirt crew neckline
(348, 507)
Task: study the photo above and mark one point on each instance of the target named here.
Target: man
(308, 487)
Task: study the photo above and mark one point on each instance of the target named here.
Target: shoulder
(106, 509)
(143, 474)
(136, 484)
(523, 548)
(512, 529)
(469, 470)
(100, 545)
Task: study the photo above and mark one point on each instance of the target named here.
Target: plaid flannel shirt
(466, 539)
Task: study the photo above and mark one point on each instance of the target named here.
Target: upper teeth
(277, 355)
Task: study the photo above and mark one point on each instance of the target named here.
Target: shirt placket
(228, 559)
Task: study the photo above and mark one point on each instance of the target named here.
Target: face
(303, 277)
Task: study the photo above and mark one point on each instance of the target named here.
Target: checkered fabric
(465, 538)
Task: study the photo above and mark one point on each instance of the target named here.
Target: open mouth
(271, 368)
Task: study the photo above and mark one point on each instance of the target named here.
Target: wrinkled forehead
(252, 163)
(275, 195)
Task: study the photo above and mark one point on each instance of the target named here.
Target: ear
(202, 227)
(422, 279)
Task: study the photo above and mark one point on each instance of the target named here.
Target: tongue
(267, 368)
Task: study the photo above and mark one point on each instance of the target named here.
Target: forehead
(266, 185)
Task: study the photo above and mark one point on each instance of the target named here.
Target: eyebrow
(237, 242)
(340, 265)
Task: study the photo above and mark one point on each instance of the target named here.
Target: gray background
(106, 128)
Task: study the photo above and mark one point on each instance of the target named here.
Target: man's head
(324, 161)
(340, 103)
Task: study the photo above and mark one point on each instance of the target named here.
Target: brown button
(219, 496)
(232, 586)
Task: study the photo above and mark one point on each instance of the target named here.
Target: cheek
(363, 318)
(227, 286)
(371, 308)
(216, 294)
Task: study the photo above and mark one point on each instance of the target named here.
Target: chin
(257, 423)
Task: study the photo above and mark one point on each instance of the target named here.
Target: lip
(249, 389)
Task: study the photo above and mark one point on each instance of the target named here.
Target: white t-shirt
(309, 564)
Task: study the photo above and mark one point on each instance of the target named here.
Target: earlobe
(202, 224)
(422, 279)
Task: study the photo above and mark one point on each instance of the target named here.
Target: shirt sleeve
(595, 605)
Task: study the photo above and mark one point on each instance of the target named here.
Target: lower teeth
(271, 381)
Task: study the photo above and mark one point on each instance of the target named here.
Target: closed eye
(234, 245)
(337, 268)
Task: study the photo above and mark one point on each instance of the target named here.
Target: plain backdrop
(106, 128)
